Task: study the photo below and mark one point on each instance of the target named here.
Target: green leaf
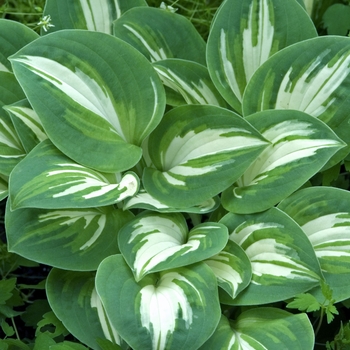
(55, 325)
(73, 298)
(174, 309)
(13, 36)
(87, 95)
(73, 239)
(324, 215)
(48, 179)
(304, 302)
(191, 80)
(336, 19)
(311, 76)
(140, 27)
(244, 34)
(232, 269)
(197, 152)
(300, 146)
(154, 242)
(27, 124)
(282, 258)
(7, 329)
(87, 14)
(6, 288)
(264, 328)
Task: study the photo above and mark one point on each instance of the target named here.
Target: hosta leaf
(154, 242)
(300, 146)
(143, 200)
(48, 179)
(87, 14)
(27, 124)
(191, 80)
(198, 151)
(85, 94)
(282, 258)
(244, 34)
(174, 310)
(11, 149)
(263, 328)
(324, 215)
(311, 76)
(3, 187)
(13, 36)
(141, 28)
(232, 268)
(73, 298)
(72, 239)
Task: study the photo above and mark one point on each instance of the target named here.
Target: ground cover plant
(175, 185)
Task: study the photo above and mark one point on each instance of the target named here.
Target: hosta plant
(166, 180)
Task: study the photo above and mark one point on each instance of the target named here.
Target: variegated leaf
(244, 34)
(232, 268)
(72, 239)
(87, 14)
(300, 146)
(174, 310)
(83, 95)
(48, 179)
(73, 298)
(13, 36)
(3, 187)
(191, 80)
(143, 200)
(27, 124)
(282, 258)
(263, 328)
(324, 215)
(141, 28)
(197, 152)
(154, 242)
(11, 149)
(311, 76)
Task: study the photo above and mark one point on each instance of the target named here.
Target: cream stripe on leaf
(244, 34)
(27, 123)
(11, 148)
(300, 146)
(3, 187)
(155, 242)
(232, 268)
(87, 14)
(165, 305)
(13, 36)
(191, 80)
(324, 215)
(197, 152)
(143, 200)
(72, 239)
(79, 91)
(48, 179)
(73, 298)
(310, 76)
(140, 27)
(282, 258)
(263, 328)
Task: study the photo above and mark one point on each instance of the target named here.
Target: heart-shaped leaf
(324, 215)
(155, 242)
(83, 95)
(174, 310)
(244, 34)
(48, 179)
(232, 268)
(140, 27)
(264, 328)
(197, 152)
(74, 239)
(300, 146)
(73, 298)
(87, 14)
(282, 258)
